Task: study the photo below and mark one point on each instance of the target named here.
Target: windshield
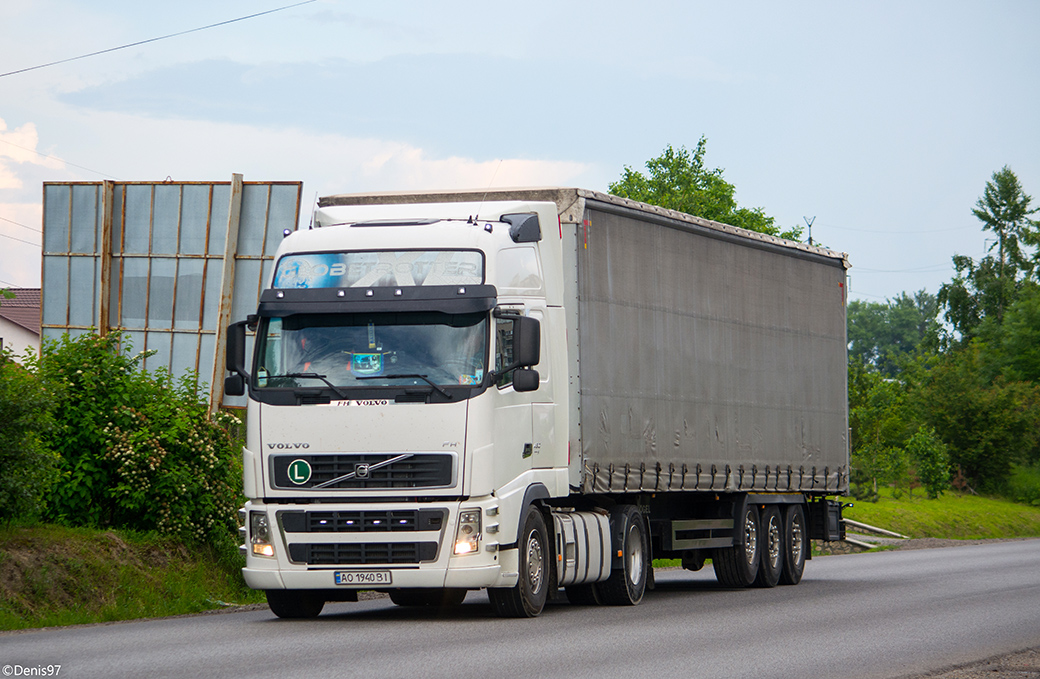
(372, 350)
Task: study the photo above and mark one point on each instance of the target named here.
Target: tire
(295, 603)
(583, 595)
(627, 584)
(796, 545)
(737, 566)
(527, 599)
(771, 563)
(436, 598)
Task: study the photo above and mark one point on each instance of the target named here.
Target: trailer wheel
(527, 599)
(771, 563)
(437, 598)
(626, 585)
(737, 566)
(295, 603)
(796, 544)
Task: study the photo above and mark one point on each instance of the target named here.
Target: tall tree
(1004, 210)
(679, 180)
(987, 288)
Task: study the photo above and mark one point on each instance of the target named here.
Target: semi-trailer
(536, 390)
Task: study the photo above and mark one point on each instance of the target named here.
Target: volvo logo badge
(361, 470)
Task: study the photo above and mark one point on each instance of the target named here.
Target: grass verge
(53, 575)
(953, 516)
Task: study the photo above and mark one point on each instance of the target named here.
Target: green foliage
(931, 460)
(883, 334)
(985, 290)
(1012, 348)
(880, 425)
(1023, 484)
(138, 450)
(28, 468)
(1004, 210)
(988, 426)
(678, 180)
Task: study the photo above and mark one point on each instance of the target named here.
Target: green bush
(138, 450)
(931, 459)
(28, 468)
(1024, 485)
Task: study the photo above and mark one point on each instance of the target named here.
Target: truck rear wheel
(295, 603)
(796, 544)
(737, 566)
(771, 563)
(527, 599)
(437, 598)
(626, 585)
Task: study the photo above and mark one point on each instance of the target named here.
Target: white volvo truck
(532, 392)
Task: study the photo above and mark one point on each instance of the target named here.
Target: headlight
(260, 535)
(467, 538)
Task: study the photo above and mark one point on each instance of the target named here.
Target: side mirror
(527, 341)
(235, 385)
(235, 352)
(525, 379)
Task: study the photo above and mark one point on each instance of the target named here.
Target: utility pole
(809, 222)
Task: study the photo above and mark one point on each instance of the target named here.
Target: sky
(880, 121)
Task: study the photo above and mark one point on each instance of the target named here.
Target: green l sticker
(299, 472)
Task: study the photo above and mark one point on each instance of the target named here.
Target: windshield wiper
(408, 376)
(316, 376)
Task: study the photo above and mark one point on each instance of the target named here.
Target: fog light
(467, 539)
(260, 535)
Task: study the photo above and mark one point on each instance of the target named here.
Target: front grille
(363, 521)
(360, 471)
(362, 553)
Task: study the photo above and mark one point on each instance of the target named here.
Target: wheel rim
(773, 534)
(750, 538)
(797, 539)
(634, 554)
(535, 562)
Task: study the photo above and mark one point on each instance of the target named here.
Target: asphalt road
(889, 614)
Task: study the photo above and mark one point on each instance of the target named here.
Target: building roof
(24, 309)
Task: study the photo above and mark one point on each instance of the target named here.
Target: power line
(44, 155)
(21, 225)
(4, 235)
(899, 233)
(161, 37)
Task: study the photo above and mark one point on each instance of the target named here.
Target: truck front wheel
(295, 603)
(737, 566)
(527, 599)
(626, 585)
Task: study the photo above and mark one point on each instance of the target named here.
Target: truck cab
(403, 401)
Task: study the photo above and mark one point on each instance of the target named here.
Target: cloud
(193, 150)
(19, 146)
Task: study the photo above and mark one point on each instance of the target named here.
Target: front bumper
(313, 542)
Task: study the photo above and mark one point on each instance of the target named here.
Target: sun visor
(449, 299)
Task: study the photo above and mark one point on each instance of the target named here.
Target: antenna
(809, 222)
(490, 183)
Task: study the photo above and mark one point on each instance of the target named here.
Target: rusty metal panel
(154, 259)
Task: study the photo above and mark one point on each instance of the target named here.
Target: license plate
(362, 578)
